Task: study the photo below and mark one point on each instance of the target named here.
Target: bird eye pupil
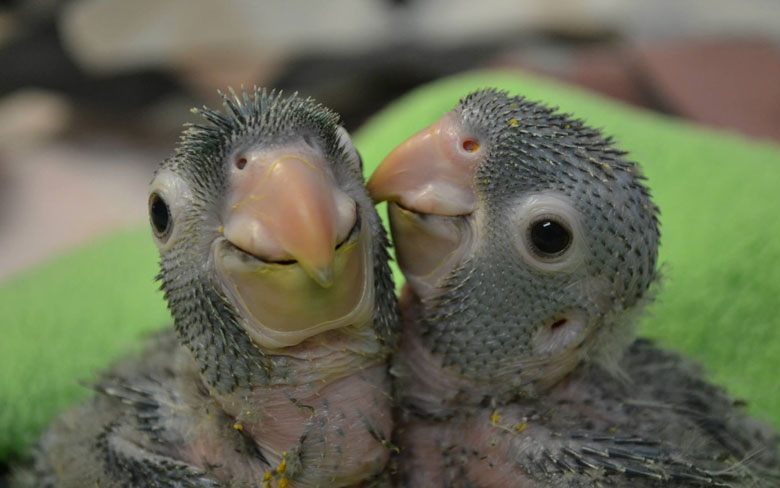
(550, 238)
(160, 215)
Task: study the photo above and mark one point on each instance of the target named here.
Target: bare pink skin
(302, 284)
(322, 420)
(343, 395)
(482, 445)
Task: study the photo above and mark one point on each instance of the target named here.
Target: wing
(130, 433)
(669, 424)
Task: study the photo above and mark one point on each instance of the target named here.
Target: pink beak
(432, 172)
(284, 205)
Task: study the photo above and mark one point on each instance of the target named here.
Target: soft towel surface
(719, 196)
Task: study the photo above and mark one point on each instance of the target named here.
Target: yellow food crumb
(513, 122)
(612, 430)
(521, 427)
(495, 418)
(267, 477)
(283, 482)
(238, 427)
(282, 467)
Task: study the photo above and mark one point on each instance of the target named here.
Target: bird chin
(280, 305)
(428, 246)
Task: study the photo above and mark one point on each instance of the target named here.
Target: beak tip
(323, 276)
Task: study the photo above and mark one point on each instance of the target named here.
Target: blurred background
(93, 93)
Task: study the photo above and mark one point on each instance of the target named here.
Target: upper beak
(284, 205)
(430, 172)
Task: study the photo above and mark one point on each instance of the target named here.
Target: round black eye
(160, 216)
(549, 237)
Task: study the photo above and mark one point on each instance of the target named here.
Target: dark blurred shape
(36, 58)
(611, 72)
(728, 84)
(357, 86)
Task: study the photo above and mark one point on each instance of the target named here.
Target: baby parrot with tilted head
(274, 265)
(529, 245)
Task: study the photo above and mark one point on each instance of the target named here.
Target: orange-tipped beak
(283, 205)
(432, 172)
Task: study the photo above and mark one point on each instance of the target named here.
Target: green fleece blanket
(719, 196)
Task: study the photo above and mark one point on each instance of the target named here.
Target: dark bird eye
(160, 216)
(549, 237)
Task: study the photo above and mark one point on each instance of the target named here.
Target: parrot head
(266, 234)
(528, 243)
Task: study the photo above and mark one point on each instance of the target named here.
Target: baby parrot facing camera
(529, 245)
(274, 266)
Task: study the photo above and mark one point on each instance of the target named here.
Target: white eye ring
(539, 207)
(176, 193)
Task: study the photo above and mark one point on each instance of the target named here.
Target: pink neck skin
(339, 393)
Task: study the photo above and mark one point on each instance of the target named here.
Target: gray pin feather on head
(273, 262)
(554, 250)
(210, 320)
(529, 244)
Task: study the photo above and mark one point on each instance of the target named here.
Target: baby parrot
(273, 263)
(529, 245)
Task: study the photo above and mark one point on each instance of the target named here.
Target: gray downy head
(267, 236)
(528, 239)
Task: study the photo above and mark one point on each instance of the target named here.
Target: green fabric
(64, 321)
(719, 195)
